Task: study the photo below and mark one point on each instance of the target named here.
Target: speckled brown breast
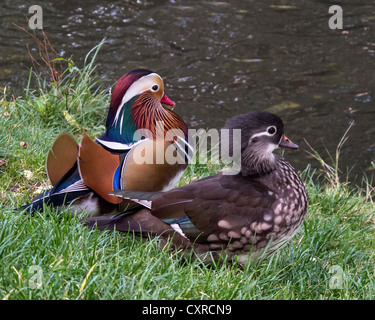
(274, 212)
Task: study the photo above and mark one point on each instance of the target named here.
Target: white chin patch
(271, 147)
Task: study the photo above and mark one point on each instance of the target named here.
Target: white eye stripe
(265, 133)
(136, 88)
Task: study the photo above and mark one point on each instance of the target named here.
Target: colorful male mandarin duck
(83, 175)
(261, 206)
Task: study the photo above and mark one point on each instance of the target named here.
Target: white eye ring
(155, 87)
(271, 130)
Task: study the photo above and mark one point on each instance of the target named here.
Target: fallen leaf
(72, 122)
(28, 174)
(283, 106)
(361, 94)
(284, 7)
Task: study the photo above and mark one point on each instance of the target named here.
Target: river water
(219, 59)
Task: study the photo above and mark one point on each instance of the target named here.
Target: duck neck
(121, 128)
(142, 112)
(258, 164)
(148, 113)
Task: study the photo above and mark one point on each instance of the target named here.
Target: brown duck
(260, 207)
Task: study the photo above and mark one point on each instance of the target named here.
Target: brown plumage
(61, 157)
(152, 176)
(242, 214)
(97, 168)
(84, 175)
(146, 109)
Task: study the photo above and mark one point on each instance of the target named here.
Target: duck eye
(155, 87)
(271, 130)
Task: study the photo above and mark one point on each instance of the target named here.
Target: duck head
(261, 133)
(137, 103)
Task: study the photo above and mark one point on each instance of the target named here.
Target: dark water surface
(219, 59)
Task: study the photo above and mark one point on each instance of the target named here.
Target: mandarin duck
(83, 175)
(260, 207)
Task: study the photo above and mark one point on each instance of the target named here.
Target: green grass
(70, 261)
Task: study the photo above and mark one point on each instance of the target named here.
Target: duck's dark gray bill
(287, 143)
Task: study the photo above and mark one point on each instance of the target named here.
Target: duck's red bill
(167, 101)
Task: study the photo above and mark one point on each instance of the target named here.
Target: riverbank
(52, 256)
